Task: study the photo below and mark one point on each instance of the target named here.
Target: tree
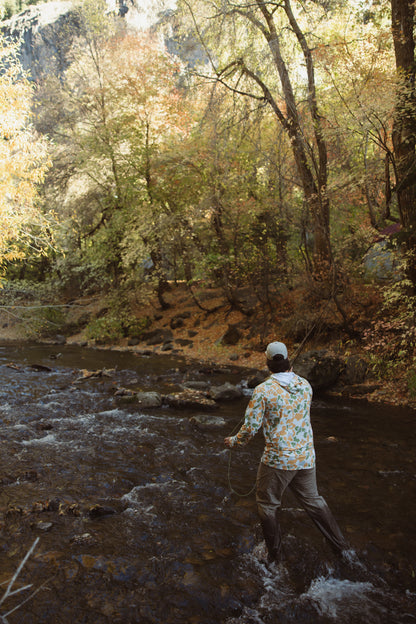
(404, 130)
(119, 105)
(23, 162)
(295, 108)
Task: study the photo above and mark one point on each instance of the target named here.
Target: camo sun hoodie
(281, 405)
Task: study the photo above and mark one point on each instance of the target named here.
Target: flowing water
(136, 521)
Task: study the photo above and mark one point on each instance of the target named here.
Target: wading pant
(271, 483)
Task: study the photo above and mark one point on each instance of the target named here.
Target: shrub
(105, 330)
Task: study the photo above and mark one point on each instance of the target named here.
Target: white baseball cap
(276, 348)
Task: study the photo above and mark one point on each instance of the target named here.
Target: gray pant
(271, 483)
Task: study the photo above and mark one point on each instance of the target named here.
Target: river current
(136, 520)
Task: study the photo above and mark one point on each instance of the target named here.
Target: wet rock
(99, 511)
(149, 399)
(189, 399)
(86, 539)
(320, 368)
(87, 374)
(46, 426)
(256, 378)
(205, 422)
(40, 368)
(226, 392)
(53, 504)
(72, 509)
(125, 392)
(197, 385)
(60, 339)
(44, 526)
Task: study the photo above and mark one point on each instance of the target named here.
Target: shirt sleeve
(253, 420)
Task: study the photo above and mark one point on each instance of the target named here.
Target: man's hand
(227, 442)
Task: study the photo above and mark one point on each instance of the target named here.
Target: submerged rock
(99, 511)
(197, 385)
(205, 422)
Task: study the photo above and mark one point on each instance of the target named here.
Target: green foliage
(391, 339)
(105, 330)
(11, 7)
(45, 321)
(411, 381)
(111, 328)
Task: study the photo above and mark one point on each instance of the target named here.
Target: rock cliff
(46, 31)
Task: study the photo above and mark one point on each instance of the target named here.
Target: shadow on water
(136, 520)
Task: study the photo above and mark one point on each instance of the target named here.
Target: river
(136, 521)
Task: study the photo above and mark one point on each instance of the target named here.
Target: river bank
(208, 332)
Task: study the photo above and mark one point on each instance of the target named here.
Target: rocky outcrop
(320, 368)
(46, 33)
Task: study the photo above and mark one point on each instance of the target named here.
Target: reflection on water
(136, 520)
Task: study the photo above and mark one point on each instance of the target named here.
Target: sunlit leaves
(23, 158)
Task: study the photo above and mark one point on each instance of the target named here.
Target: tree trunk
(404, 140)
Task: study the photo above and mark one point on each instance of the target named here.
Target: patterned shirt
(284, 413)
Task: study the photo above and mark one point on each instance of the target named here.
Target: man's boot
(272, 537)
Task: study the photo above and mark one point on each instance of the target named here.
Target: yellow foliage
(23, 156)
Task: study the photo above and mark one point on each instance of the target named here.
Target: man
(281, 405)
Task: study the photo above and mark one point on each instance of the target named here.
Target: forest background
(250, 162)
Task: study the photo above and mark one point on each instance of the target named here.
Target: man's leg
(271, 483)
(303, 485)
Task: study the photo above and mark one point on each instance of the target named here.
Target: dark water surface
(180, 548)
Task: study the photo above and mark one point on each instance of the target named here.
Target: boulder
(320, 368)
(226, 392)
(189, 399)
(355, 370)
(149, 399)
(157, 336)
(231, 337)
(206, 422)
